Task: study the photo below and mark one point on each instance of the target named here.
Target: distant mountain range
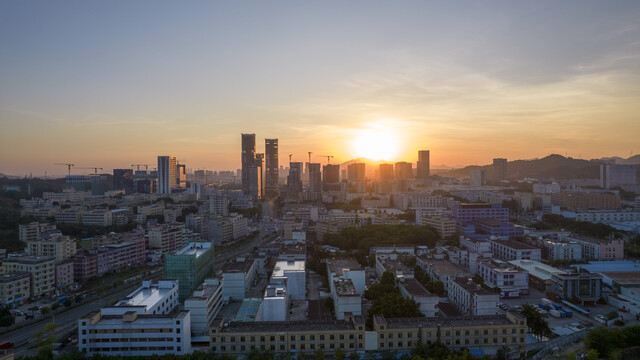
(553, 166)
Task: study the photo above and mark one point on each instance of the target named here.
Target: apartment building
(15, 289)
(470, 298)
(445, 226)
(41, 270)
(167, 237)
(514, 250)
(237, 278)
(204, 305)
(508, 278)
(412, 289)
(597, 249)
(441, 270)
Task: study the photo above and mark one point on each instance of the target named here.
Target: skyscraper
(423, 165)
(356, 172)
(500, 169)
(404, 170)
(331, 177)
(255, 177)
(166, 174)
(247, 159)
(271, 165)
(315, 178)
(294, 181)
(386, 171)
(181, 176)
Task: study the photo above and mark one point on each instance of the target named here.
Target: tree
(67, 302)
(592, 355)
(536, 323)
(319, 355)
(45, 310)
(6, 317)
(55, 305)
(477, 278)
(388, 278)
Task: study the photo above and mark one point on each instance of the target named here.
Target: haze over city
(117, 83)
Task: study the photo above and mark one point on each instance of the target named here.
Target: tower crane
(67, 165)
(329, 157)
(95, 169)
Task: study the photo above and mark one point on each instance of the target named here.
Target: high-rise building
(190, 265)
(500, 169)
(386, 171)
(477, 177)
(315, 178)
(271, 165)
(255, 177)
(612, 175)
(123, 180)
(404, 170)
(167, 168)
(294, 180)
(331, 177)
(181, 176)
(356, 172)
(423, 165)
(218, 203)
(248, 159)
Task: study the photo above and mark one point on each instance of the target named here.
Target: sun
(377, 143)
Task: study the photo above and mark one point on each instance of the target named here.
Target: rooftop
(537, 269)
(248, 310)
(284, 326)
(28, 259)
(609, 266)
(5, 278)
(457, 321)
(117, 320)
(282, 266)
(446, 267)
(238, 266)
(344, 287)
(468, 284)
(624, 277)
(414, 288)
(196, 248)
(148, 295)
(516, 245)
(337, 266)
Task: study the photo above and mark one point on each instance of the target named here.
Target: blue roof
(477, 352)
(604, 266)
(248, 310)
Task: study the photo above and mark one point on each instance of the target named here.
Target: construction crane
(310, 157)
(329, 157)
(146, 167)
(67, 165)
(95, 169)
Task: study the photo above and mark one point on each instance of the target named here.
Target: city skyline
(470, 82)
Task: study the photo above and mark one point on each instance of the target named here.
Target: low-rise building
(582, 286)
(15, 289)
(167, 237)
(508, 278)
(41, 269)
(64, 274)
(514, 250)
(561, 250)
(97, 217)
(345, 298)
(347, 269)
(190, 266)
(445, 226)
(142, 324)
(597, 249)
(393, 265)
(471, 298)
(275, 304)
(237, 278)
(441, 270)
(412, 289)
(539, 274)
(204, 305)
(294, 274)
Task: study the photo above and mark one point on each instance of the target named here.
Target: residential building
(441, 270)
(275, 304)
(271, 165)
(167, 167)
(142, 324)
(219, 203)
(58, 246)
(291, 272)
(331, 177)
(514, 250)
(477, 178)
(403, 170)
(237, 278)
(356, 172)
(15, 289)
(294, 179)
(123, 180)
(346, 299)
(597, 249)
(500, 169)
(346, 268)
(423, 166)
(40, 268)
(586, 200)
(315, 179)
(471, 298)
(239, 225)
(559, 250)
(612, 175)
(167, 237)
(466, 213)
(386, 172)
(64, 273)
(97, 217)
(204, 305)
(220, 231)
(190, 266)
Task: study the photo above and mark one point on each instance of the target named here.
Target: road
(66, 321)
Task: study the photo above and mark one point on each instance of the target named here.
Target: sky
(114, 83)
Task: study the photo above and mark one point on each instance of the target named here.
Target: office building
(514, 250)
(441, 270)
(403, 170)
(565, 250)
(291, 273)
(254, 177)
(582, 287)
(237, 278)
(597, 249)
(412, 289)
(167, 237)
(346, 299)
(500, 169)
(142, 324)
(586, 200)
(423, 166)
(356, 172)
(477, 178)
(617, 175)
(123, 180)
(346, 268)
(508, 278)
(219, 203)
(465, 213)
(167, 168)
(247, 160)
(294, 179)
(181, 176)
(445, 226)
(539, 273)
(315, 178)
(275, 303)
(271, 166)
(190, 266)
